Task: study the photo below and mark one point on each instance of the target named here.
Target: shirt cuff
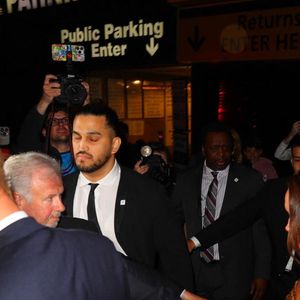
(196, 242)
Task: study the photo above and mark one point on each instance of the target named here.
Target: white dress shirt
(105, 200)
(12, 218)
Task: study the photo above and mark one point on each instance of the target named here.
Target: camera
(146, 152)
(4, 135)
(72, 90)
(159, 168)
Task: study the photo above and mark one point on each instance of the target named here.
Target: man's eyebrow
(49, 196)
(88, 133)
(93, 133)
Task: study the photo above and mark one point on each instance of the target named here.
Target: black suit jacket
(243, 261)
(42, 263)
(145, 226)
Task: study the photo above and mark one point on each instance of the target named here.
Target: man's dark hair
(100, 109)
(253, 142)
(216, 127)
(51, 110)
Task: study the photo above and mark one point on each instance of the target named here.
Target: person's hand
(190, 296)
(258, 288)
(51, 89)
(191, 245)
(87, 87)
(142, 169)
(294, 131)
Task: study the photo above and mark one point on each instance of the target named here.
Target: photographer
(157, 165)
(46, 126)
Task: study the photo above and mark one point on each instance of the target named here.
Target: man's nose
(59, 206)
(82, 145)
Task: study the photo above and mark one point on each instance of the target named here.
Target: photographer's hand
(140, 169)
(190, 296)
(294, 131)
(191, 245)
(51, 89)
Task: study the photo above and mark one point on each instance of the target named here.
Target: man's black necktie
(91, 211)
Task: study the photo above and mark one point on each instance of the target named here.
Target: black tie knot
(93, 186)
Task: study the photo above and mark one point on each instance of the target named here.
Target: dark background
(260, 96)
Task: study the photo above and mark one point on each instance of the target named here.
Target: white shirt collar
(208, 170)
(14, 217)
(106, 180)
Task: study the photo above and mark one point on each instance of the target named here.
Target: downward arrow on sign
(151, 49)
(197, 40)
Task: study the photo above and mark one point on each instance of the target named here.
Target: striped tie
(209, 213)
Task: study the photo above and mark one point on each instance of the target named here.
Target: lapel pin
(123, 202)
(236, 179)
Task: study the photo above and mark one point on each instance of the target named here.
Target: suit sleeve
(263, 250)
(147, 282)
(174, 258)
(233, 222)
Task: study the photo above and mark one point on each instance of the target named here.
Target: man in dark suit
(131, 210)
(227, 272)
(43, 263)
(269, 205)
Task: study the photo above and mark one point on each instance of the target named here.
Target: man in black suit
(44, 263)
(239, 265)
(269, 205)
(131, 210)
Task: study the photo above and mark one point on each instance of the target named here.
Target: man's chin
(52, 224)
(86, 168)
(61, 139)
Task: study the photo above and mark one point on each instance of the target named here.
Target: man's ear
(19, 200)
(116, 143)
(203, 151)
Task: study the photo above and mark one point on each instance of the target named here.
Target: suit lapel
(70, 182)
(230, 191)
(121, 201)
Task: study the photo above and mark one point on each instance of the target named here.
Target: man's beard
(95, 166)
(60, 140)
(54, 224)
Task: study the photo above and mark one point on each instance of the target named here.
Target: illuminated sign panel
(255, 35)
(17, 6)
(137, 40)
(152, 30)
(141, 37)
